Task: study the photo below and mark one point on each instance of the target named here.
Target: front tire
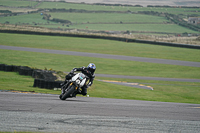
(60, 96)
(67, 93)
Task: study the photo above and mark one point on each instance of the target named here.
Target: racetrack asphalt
(47, 113)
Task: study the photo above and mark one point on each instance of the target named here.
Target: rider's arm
(91, 81)
(77, 69)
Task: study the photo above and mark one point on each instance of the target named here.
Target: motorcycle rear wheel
(67, 93)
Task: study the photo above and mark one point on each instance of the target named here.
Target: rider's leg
(84, 90)
(67, 78)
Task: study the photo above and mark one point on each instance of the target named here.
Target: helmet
(91, 67)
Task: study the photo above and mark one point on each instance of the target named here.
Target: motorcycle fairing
(81, 77)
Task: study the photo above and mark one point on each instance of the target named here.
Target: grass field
(85, 20)
(107, 17)
(166, 91)
(171, 28)
(163, 90)
(100, 46)
(26, 19)
(18, 3)
(104, 66)
(62, 5)
(63, 62)
(89, 18)
(78, 18)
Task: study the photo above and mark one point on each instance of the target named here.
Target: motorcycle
(73, 86)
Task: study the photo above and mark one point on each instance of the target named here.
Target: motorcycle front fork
(63, 87)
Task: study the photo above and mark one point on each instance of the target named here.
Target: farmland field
(143, 2)
(135, 27)
(102, 22)
(26, 19)
(17, 3)
(107, 17)
(99, 17)
(61, 5)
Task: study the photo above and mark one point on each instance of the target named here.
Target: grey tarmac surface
(47, 113)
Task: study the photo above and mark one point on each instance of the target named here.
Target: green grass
(163, 91)
(78, 18)
(29, 19)
(107, 17)
(100, 46)
(15, 10)
(32, 19)
(14, 81)
(36, 18)
(18, 132)
(165, 28)
(17, 3)
(104, 66)
(62, 5)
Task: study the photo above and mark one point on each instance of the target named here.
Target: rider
(88, 71)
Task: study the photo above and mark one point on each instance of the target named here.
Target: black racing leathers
(87, 73)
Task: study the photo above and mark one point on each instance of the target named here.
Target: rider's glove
(89, 84)
(83, 68)
(73, 70)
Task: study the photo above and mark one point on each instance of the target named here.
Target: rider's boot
(72, 95)
(79, 92)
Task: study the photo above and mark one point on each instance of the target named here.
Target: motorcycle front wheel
(67, 93)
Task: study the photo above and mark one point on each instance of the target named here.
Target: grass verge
(104, 66)
(15, 82)
(99, 46)
(164, 91)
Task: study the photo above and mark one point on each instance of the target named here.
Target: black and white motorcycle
(73, 86)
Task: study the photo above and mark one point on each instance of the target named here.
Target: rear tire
(67, 93)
